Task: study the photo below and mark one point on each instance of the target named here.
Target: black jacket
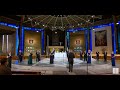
(71, 56)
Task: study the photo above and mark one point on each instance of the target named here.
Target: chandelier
(61, 22)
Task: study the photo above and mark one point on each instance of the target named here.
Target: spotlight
(93, 29)
(43, 25)
(117, 23)
(55, 32)
(92, 16)
(37, 31)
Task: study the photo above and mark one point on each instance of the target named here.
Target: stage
(60, 67)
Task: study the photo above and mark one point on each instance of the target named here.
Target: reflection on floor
(60, 67)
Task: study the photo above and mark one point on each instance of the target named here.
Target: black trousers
(70, 67)
(97, 58)
(37, 59)
(105, 59)
(85, 58)
(51, 59)
(20, 59)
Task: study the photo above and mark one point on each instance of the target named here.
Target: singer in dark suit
(37, 56)
(97, 56)
(52, 56)
(20, 56)
(105, 56)
(71, 56)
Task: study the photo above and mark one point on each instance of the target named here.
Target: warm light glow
(7, 43)
(3, 43)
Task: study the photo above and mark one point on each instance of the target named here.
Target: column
(90, 39)
(22, 40)
(3, 42)
(7, 43)
(65, 40)
(114, 34)
(113, 38)
(42, 42)
(68, 39)
(119, 39)
(86, 40)
(17, 42)
(20, 34)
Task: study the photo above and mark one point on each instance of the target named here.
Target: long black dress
(9, 60)
(30, 59)
(113, 59)
(81, 55)
(85, 56)
(105, 56)
(97, 56)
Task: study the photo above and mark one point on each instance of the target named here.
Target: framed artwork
(77, 42)
(31, 41)
(101, 38)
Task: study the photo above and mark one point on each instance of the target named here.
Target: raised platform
(60, 67)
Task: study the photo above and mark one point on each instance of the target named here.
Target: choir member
(81, 55)
(30, 59)
(89, 57)
(20, 56)
(105, 56)
(71, 56)
(9, 56)
(85, 56)
(113, 58)
(37, 56)
(97, 56)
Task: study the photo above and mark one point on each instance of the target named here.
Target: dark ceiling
(17, 17)
(6, 32)
(53, 21)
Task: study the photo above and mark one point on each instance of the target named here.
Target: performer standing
(97, 56)
(20, 56)
(67, 52)
(37, 56)
(30, 59)
(52, 56)
(81, 55)
(113, 58)
(89, 57)
(9, 56)
(53, 52)
(105, 56)
(85, 56)
(71, 56)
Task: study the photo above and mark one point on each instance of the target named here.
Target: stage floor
(60, 67)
